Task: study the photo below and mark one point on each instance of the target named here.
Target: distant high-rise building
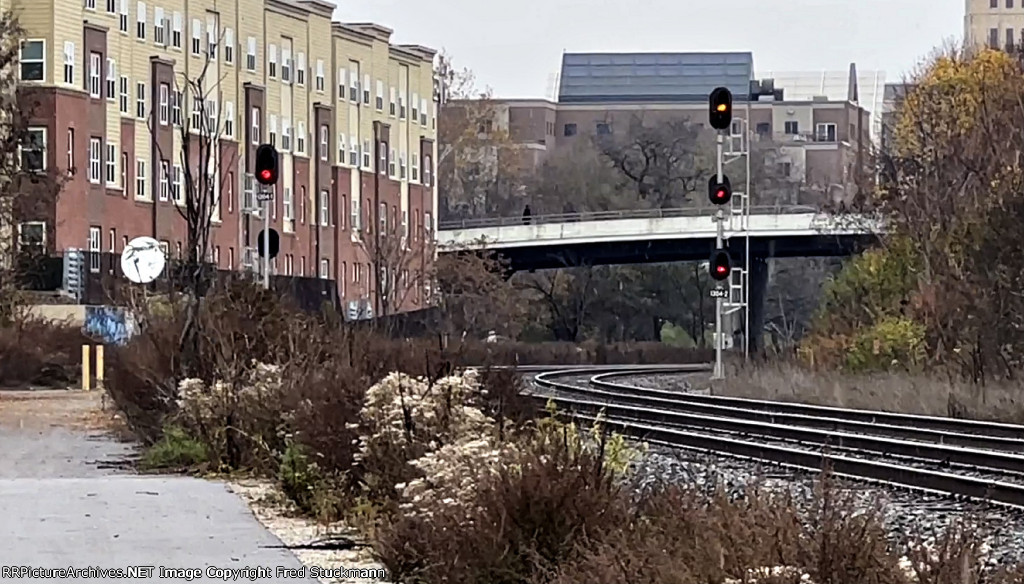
(994, 23)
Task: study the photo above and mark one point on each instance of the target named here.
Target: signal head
(719, 193)
(266, 164)
(720, 265)
(720, 103)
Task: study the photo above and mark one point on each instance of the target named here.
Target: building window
(140, 178)
(366, 90)
(415, 107)
(111, 164)
(342, 150)
(69, 63)
(94, 74)
(353, 153)
(380, 96)
(140, 100)
(229, 45)
(288, 204)
(176, 30)
(159, 30)
(112, 240)
(325, 269)
(321, 82)
(272, 62)
(569, 130)
(382, 153)
(353, 83)
(197, 112)
(211, 38)
(324, 133)
(325, 208)
(178, 185)
(197, 36)
(415, 164)
(423, 117)
(124, 172)
(250, 54)
(33, 60)
(33, 150)
(212, 127)
(124, 98)
(94, 160)
(1009, 39)
(792, 128)
(122, 20)
(392, 107)
(272, 129)
(401, 107)
(825, 133)
(165, 105)
(140, 22)
(366, 154)
(300, 138)
(354, 217)
(428, 169)
(95, 246)
(165, 172)
(993, 38)
(342, 75)
(231, 191)
(32, 235)
(229, 119)
(71, 151)
(286, 65)
(286, 135)
(254, 114)
(993, 3)
(603, 129)
(401, 165)
(176, 100)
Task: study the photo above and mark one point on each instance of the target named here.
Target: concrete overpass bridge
(664, 235)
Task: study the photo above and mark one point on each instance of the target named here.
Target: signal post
(720, 194)
(268, 242)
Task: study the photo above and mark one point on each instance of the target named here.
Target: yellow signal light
(722, 107)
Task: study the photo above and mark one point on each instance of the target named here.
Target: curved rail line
(698, 422)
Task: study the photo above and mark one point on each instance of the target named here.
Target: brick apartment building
(820, 122)
(109, 75)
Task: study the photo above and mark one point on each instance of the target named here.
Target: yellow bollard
(99, 367)
(86, 375)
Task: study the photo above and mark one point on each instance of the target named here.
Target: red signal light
(266, 175)
(721, 269)
(720, 265)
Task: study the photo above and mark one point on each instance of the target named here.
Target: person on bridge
(526, 215)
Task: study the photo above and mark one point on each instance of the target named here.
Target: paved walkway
(68, 500)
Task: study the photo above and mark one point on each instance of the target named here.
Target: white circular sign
(142, 260)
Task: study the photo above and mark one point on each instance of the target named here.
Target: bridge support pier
(759, 268)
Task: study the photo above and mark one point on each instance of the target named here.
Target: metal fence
(612, 215)
(96, 278)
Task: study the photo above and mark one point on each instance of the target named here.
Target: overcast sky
(515, 46)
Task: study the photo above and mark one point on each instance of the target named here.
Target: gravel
(905, 513)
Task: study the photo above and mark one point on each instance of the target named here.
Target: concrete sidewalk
(68, 500)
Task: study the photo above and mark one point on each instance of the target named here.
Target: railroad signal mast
(266, 176)
(732, 297)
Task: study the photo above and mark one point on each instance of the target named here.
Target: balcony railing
(613, 215)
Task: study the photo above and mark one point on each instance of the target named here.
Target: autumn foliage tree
(951, 188)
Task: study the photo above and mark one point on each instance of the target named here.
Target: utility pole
(382, 164)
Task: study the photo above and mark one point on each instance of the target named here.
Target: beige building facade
(116, 84)
(994, 23)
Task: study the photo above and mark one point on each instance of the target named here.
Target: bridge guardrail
(612, 215)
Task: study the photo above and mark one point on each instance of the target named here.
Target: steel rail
(917, 421)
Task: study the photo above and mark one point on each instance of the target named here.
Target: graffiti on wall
(111, 324)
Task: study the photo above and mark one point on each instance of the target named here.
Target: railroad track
(962, 458)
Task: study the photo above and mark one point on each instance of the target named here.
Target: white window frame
(140, 100)
(212, 37)
(325, 208)
(342, 83)
(355, 219)
(325, 269)
(393, 103)
(122, 18)
(165, 181)
(178, 184)
(286, 65)
(821, 131)
(392, 163)
(415, 105)
(159, 28)
(165, 105)
(366, 89)
(69, 63)
(196, 114)
(401, 166)
(125, 99)
(272, 61)
(250, 54)
(300, 138)
(300, 69)
(380, 96)
(95, 84)
(95, 248)
(254, 128)
(286, 134)
(140, 178)
(414, 164)
(342, 150)
(423, 112)
(95, 154)
(367, 155)
(197, 37)
(229, 119)
(229, 46)
(176, 28)
(38, 146)
(353, 83)
(71, 151)
(140, 21)
(353, 152)
(111, 164)
(324, 142)
(288, 204)
(111, 79)
(272, 129)
(321, 80)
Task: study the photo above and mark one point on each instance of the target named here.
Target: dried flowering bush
(240, 423)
